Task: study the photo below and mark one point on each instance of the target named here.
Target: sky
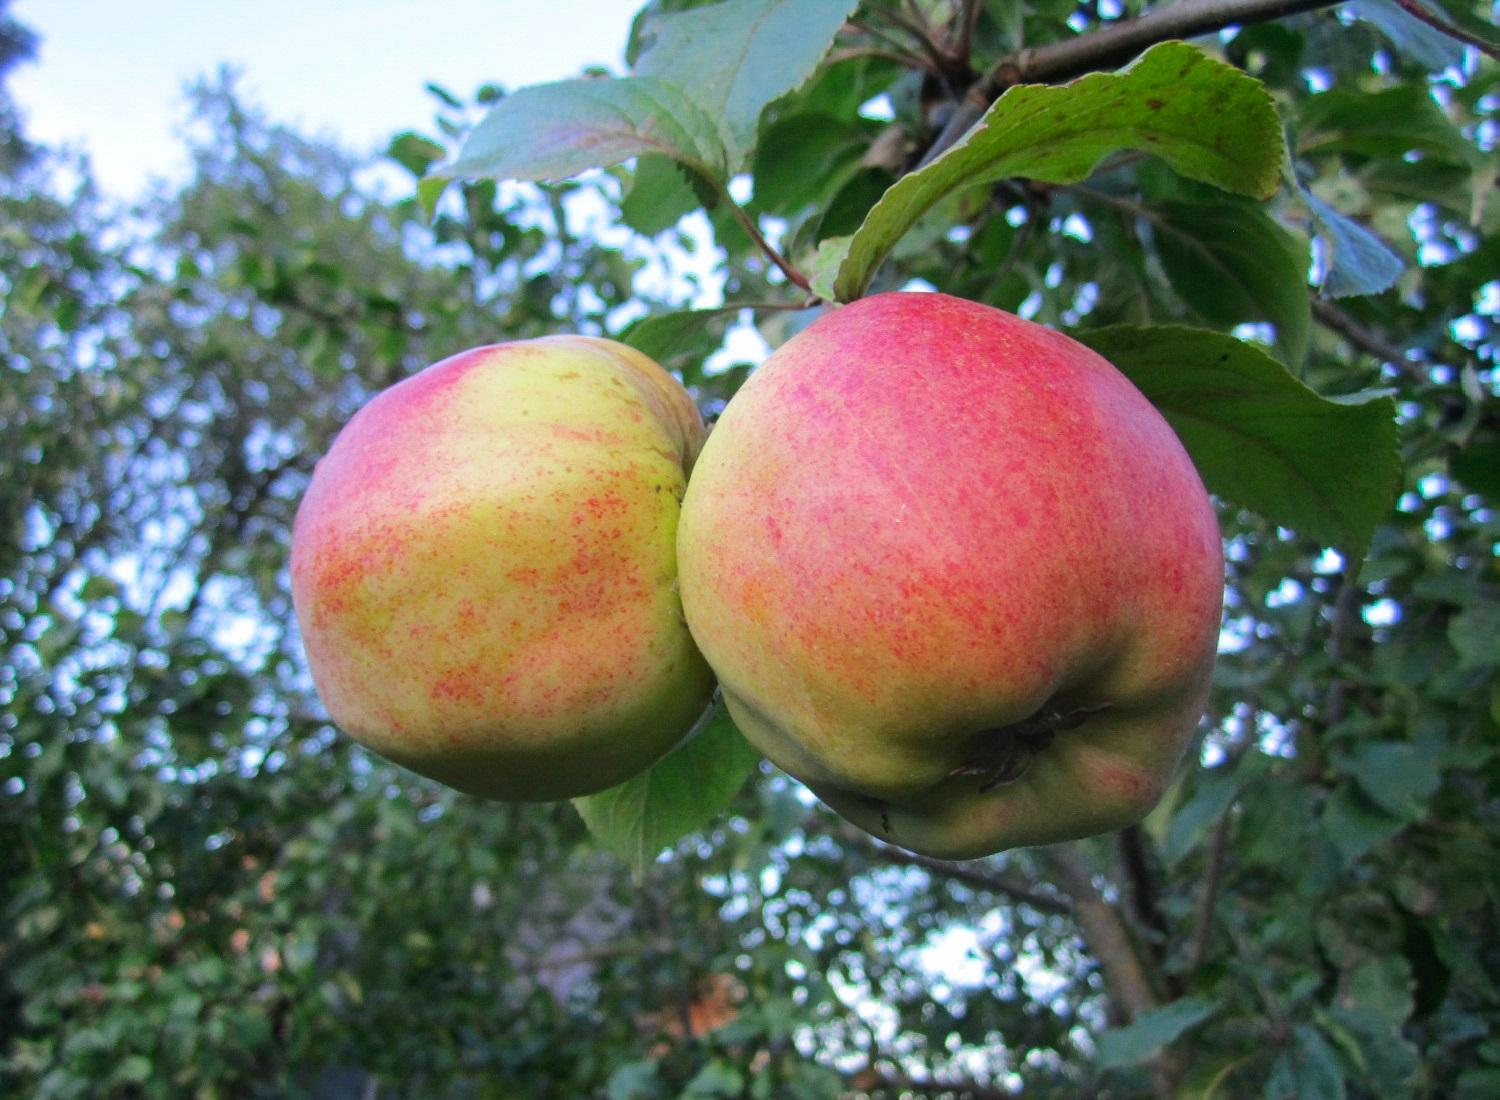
(109, 74)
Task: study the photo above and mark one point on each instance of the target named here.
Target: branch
(1442, 26)
(1210, 897)
(1362, 338)
(1107, 48)
(968, 19)
(1144, 897)
(1104, 933)
(1125, 980)
(957, 872)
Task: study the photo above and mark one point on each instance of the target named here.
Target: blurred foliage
(208, 892)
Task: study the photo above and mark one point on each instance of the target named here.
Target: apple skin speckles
(484, 569)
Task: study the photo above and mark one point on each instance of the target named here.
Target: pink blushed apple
(956, 574)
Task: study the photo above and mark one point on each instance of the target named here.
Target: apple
(484, 569)
(956, 574)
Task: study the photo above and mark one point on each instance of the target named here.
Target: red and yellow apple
(484, 569)
(955, 573)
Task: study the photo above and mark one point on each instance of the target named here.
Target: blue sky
(110, 73)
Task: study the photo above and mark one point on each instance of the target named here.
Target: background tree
(211, 893)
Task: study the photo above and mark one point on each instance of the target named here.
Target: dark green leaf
(1206, 119)
(1355, 824)
(1233, 263)
(672, 338)
(1475, 633)
(734, 58)
(684, 791)
(799, 156)
(1395, 775)
(1259, 437)
(1306, 1070)
(1477, 465)
(717, 1080)
(659, 196)
(1215, 792)
(1388, 123)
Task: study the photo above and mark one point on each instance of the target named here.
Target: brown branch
(957, 872)
(1107, 48)
(1144, 896)
(1362, 338)
(1345, 614)
(1442, 26)
(1125, 981)
(906, 60)
(1104, 933)
(968, 18)
(1209, 899)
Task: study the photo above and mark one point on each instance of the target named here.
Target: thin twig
(968, 19)
(1362, 338)
(1209, 899)
(967, 874)
(1418, 12)
(920, 33)
(1108, 47)
(747, 223)
(906, 60)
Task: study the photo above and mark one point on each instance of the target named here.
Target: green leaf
(715, 1080)
(682, 792)
(1259, 437)
(1423, 44)
(826, 264)
(1387, 123)
(1395, 775)
(430, 192)
(1477, 465)
(1306, 1070)
(736, 57)
(633, 1081)
(1148, 1033)
(800, 157)
(1359, 262)
(659, 196)
(553, 131)
(414, 152)
(844, 212)
(134, 1070)
(1475, 633)
(680, 341)
(1215, 792)
(1233, 263)
(1206, 119)
(1354, 824)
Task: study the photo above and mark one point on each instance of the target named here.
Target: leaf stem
(747, 223)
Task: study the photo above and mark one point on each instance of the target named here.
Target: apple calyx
(1012, 748)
